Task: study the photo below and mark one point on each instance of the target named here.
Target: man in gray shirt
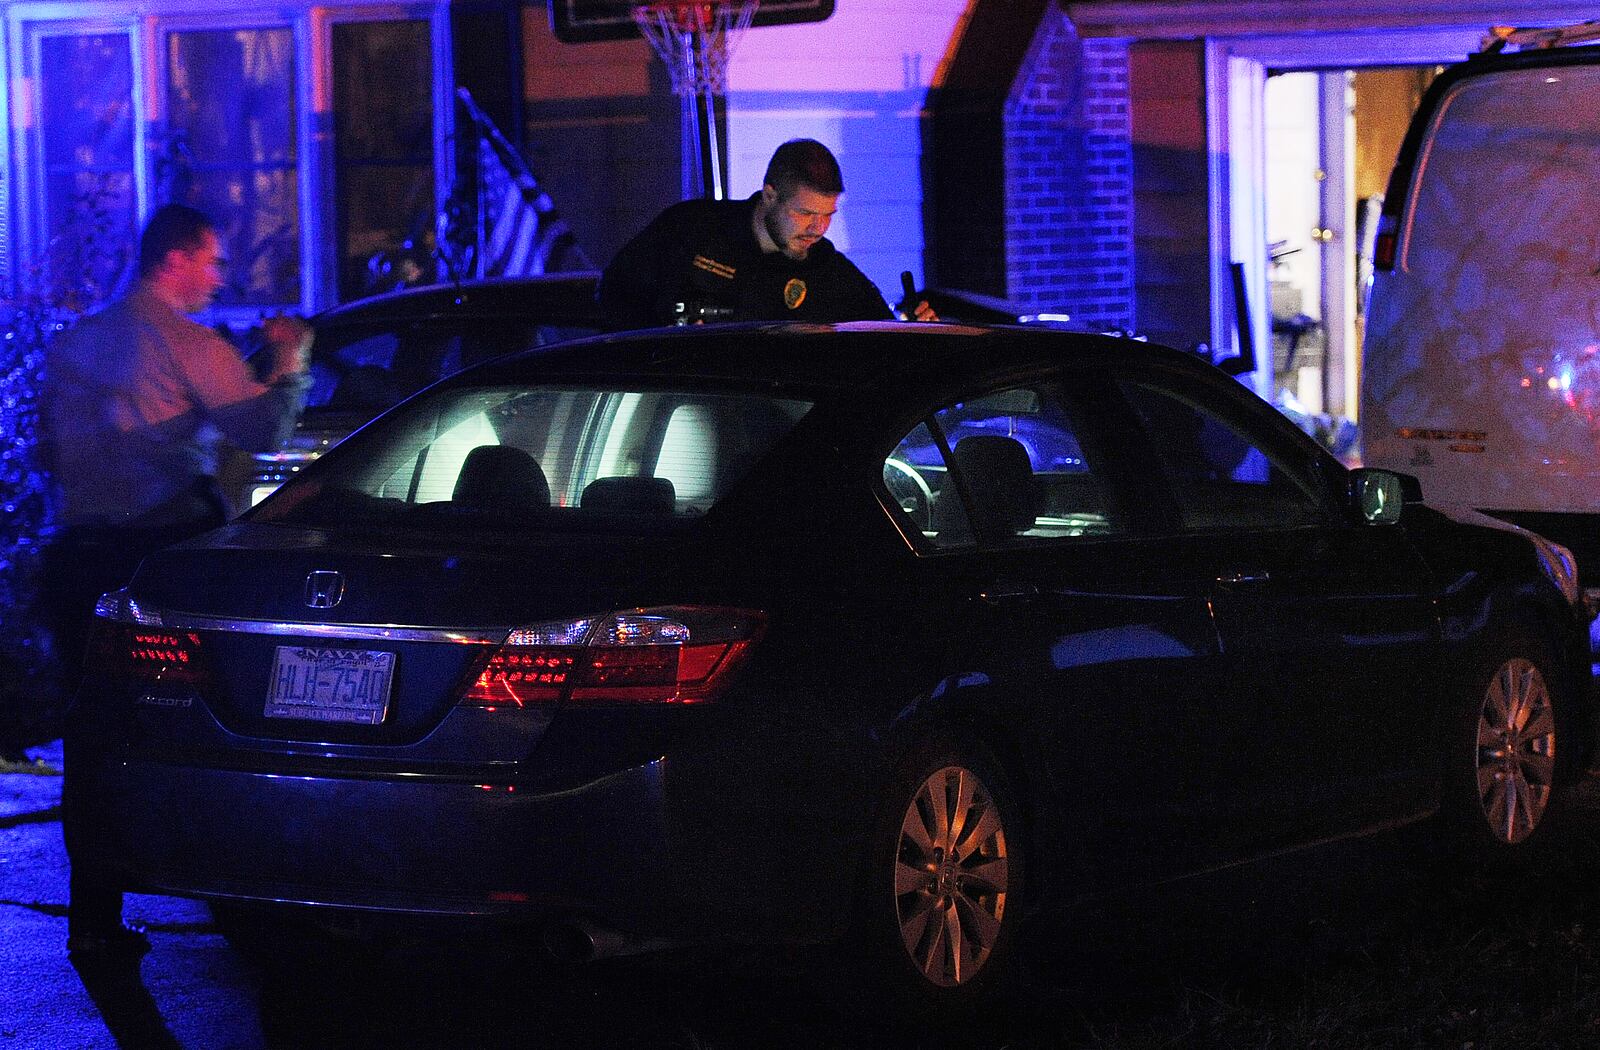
(135, 395)
(135, 399)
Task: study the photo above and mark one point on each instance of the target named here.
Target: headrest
(501, 477)
(1000, 476)
(630, 495)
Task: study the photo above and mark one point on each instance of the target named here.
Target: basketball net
(695, 40)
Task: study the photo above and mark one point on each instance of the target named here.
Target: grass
(1381, 944)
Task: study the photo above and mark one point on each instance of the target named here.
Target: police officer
(762, 258)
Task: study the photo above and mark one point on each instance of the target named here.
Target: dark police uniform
(702, 253)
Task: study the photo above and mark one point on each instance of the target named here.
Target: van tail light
(129, 643)
(1383, 253)
(676, 654)
(1384, 245)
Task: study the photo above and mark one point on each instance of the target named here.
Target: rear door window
(917, 480)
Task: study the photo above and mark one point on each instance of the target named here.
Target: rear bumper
(399, 845)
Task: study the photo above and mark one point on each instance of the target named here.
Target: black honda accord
(883, 634)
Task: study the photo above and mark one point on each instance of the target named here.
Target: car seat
(999, 476)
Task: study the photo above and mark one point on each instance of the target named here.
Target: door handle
(1007, 593)
(1258, 576)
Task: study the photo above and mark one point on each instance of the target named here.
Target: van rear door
(1481, 364)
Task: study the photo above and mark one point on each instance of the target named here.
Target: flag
(520, 232)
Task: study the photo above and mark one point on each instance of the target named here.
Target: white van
(1482, 351)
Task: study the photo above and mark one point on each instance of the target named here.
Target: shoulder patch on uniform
(712, 266)
(794, 293)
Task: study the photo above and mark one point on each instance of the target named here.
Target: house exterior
(316, 133)
(1105, 158)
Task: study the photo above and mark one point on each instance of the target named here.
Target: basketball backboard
(582, 21)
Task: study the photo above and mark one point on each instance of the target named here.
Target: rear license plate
(330, 685)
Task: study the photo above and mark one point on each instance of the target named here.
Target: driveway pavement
(188, 993)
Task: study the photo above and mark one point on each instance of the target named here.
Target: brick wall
(1069, 178)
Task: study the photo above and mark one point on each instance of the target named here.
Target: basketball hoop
(695, 40)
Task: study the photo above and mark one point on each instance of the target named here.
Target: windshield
(520, 457)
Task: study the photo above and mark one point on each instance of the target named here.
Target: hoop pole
(691, 181)
(710, 155)
(702, 170)
(694, 39)
(691, 134)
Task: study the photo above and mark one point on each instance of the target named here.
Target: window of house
(86, 142)
(123, 108)
(383, 120)
(231, 152)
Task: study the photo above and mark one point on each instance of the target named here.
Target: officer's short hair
(173, 227)
(804, 162)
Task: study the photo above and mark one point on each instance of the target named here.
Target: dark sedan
(895, 633)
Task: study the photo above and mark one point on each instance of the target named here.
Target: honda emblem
(324, 589)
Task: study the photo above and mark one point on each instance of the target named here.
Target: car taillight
(130, 643)
(665, 655)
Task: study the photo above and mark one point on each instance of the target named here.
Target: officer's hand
(290, 340)
(923, 312)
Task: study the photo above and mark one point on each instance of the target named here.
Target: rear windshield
(515, 457)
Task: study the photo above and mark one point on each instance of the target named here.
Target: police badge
(794, 293)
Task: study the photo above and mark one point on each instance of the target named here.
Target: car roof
(856, 355)
(555, 296)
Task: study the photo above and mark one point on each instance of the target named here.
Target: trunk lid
(420, 615)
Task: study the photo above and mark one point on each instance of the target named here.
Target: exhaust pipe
(580, 940)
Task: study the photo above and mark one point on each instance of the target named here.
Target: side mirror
(1380, 496)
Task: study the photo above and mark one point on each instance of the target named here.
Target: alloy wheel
(1516, 750)
(952, 876)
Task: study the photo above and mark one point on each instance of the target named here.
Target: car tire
(941, 897)
(1505, 745)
